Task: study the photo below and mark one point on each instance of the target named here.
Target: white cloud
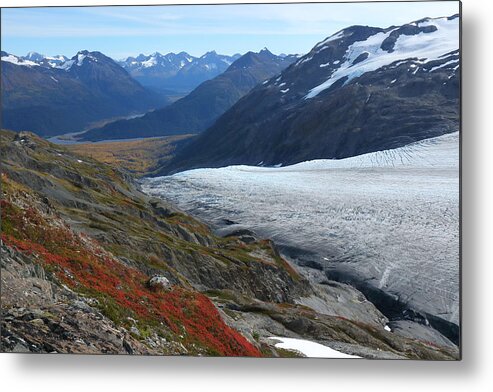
(262, 19)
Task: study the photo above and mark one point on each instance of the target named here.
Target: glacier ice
(390, 217)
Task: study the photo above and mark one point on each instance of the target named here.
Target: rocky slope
(92, 265)
(50, 99)
(360, 90)
(198, 110)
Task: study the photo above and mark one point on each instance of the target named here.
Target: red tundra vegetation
(85, 267)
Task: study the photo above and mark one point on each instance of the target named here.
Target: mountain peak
(34, 56)
(85, 57)
(246, 60)
(208, 54)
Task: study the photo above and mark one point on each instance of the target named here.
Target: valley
(90, 264)
(139, 157)
(252, 204)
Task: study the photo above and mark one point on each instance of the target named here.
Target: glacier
(389, 218)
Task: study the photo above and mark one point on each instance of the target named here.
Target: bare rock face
(39, 315)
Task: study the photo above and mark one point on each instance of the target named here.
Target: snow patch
(304, 60)
(444, 65)
(333, 37)
(429, 46)
(322, 48)
(18, 61)
(66, 65)
(310, 349)
(149, 63)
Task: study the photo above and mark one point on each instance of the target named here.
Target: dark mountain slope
(68, 97)
(199, 109)
(363, 89)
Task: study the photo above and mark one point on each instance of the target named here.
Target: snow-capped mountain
(362, 89)
(34, 58)
(199, 109)
(176, 71)
(54, 61)
(171, 62)
(68, 96)
(17, 60)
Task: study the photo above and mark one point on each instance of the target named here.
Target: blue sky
(124, 31)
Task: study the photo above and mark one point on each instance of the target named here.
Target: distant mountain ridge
(180, 72)
(169, 73)
(360, 90)
(45, 61)
(198, 110)
(50, 96)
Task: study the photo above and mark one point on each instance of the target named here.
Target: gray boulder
(159, 282)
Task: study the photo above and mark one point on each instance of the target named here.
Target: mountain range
(360, 90)
(176, 72)
(198, 110)
(94, 262)
(55, 95)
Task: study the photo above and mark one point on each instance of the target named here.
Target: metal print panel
(265, 180)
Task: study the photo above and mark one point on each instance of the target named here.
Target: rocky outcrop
(40, 315)
(159, 283)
